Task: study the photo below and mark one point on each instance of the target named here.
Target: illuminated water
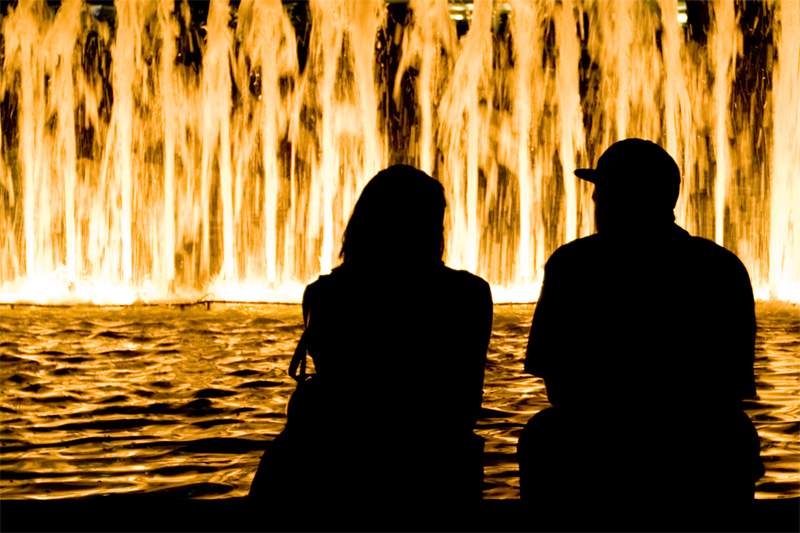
(162, 399)
(150, 149)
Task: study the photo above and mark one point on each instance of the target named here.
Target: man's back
(646, 349)
(663, 323)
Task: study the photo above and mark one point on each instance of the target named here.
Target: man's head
(636, 184)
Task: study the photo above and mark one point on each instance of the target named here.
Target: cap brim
(588, 174)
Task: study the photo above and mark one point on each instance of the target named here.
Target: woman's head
(397, 220)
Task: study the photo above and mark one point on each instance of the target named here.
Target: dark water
(184, 401)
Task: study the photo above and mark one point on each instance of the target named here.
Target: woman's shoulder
(341, 282)
(466, 281)
(320, 286)
(458, 281)
(463, 276)
(321, 290)
(322, 281)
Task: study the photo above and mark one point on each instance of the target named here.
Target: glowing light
(287, 292)
(523, 293)
(55, 289)
(177, 199)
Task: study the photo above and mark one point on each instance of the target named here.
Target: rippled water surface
(184, 401)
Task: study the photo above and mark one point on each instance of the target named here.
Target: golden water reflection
(98, 401)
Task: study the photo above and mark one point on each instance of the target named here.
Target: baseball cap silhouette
(638, 170)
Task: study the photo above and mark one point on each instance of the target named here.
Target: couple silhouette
(643, 334)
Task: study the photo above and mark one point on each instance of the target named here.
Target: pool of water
(183, 401)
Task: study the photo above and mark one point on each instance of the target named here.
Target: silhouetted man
(644, 336)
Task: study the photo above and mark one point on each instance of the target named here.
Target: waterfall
(153, 150)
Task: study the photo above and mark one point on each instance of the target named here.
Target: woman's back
(415, 343)
(402, 357)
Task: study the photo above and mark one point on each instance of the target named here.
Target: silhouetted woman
(398, 342)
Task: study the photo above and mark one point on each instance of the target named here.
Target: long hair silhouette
(397, 220)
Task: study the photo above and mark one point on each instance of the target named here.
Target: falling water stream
(162, 150)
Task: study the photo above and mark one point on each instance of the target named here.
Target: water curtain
(159, 149)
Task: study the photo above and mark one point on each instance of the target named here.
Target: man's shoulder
(712, 254)
(577, 250)
(703, 245)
